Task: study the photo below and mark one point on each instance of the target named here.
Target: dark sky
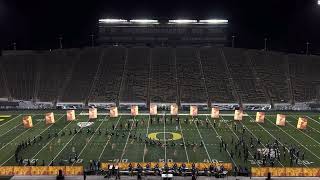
(37, 24)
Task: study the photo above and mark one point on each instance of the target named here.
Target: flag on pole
(93, 113)
(302, 123)
(215, 112)
(260, 117)
(50, 118)
(71, 115)
(134, 110)
(238, 115)
(27, 121)
(153, 109)
(193, 111)
(114, 112)
(281, 120)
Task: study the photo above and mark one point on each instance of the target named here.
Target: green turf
(106, 148)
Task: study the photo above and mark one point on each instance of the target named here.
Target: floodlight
(319, 2)
(112, 20)
(144, 21)
(215, 21)
(182, 21)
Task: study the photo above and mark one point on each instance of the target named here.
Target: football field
(160, 138)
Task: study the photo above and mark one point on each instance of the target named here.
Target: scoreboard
(162, 33)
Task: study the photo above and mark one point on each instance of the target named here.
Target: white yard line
(164, 138)
(277, 140)
(235, 164)
(10, 120)
(184, 143)
(64, 146)
(145, 145)
(204, 145)
(238, 139)
(10, 130)
(108, 140)
(313, 119)
(125, 146)
(294, 139)
(50, 141)
(19, 136)
(36, 137)
(89, 140)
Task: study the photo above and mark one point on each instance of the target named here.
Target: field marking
(238, 139)
(65, 145)
(257, 138)
(19, 136)
(50, 140)
(108, 140)
(145, 145)
(79, 155)
(221, 141)
(164, 138)
(294, 139)
(308, 125)
(304, 133)
(36, 137)
(313, 119)
(184, 144)
(125, 146)
(277, 140)
(10, 120)
(10, 130)
(204, 145)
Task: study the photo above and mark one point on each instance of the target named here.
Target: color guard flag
(193, 110)
(93, 113)
(238, 115)
(215, 112)
(302, 123)
(134, 110)
(281, 120)
(114, 112)
(174, 109)
(50, 118)
(71, 115)
(27, 122)
(153, 109)
(260, 117)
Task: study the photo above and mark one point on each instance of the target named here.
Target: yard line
(276, 139)
(308, 125)
(204, 145)
(164, 138)
(125, 146)
(294, 139)
(65, 146)
(18, 136)
(50, 140)
(145, 145)
(10, 130)
(89, 140)
(221, 141)
(238, 139)
(313, 119)
(108, 140)
(184, 144)
(10, 120)
(305, 134)
(36, 137)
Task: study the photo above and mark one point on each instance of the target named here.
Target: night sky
(38, 24)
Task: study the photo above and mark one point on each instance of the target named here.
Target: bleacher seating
(159, 74)
(192, 88)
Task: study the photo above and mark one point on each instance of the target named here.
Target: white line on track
(145, 145)
(313, 119)
(204, 145)
(10, 120)
(36, 137)
(294, 139)
(89, 140)
(235, 164)
(238, 139)
(184, 144)
(125, 146)
(108, 140)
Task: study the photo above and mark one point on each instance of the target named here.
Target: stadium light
(215, 21)
(182, 21)
(144, 21)
(112, 20)
(319, 2)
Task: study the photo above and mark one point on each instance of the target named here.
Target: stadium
(159, 99)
